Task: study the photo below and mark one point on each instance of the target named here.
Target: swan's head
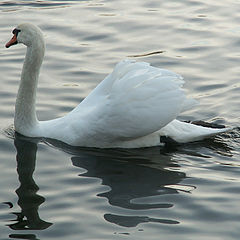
(25, 33)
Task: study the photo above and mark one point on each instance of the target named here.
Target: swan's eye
(16, 31)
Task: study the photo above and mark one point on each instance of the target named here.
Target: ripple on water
(181, 192)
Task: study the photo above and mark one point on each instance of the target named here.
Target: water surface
(51, 191)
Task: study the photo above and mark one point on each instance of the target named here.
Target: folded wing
(135, 100)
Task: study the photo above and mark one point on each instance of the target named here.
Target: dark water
(52, 191)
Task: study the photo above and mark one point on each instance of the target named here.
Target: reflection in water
(28, 199)
(130, 174)
(133, 176)
(133, 221)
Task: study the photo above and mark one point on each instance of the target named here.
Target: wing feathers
(139, 100)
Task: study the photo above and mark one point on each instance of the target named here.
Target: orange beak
(12, 41)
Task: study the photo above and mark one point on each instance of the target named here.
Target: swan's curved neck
(25, 115)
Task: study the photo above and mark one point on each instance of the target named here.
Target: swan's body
(132, 107)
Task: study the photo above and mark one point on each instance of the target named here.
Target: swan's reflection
(28, 199)
(132, 175)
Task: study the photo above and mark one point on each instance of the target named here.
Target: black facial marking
(16, 31)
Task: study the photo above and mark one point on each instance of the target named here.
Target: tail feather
(183, 132)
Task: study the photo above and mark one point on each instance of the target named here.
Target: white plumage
(132, 107)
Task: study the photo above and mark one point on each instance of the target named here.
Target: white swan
(132, 107)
